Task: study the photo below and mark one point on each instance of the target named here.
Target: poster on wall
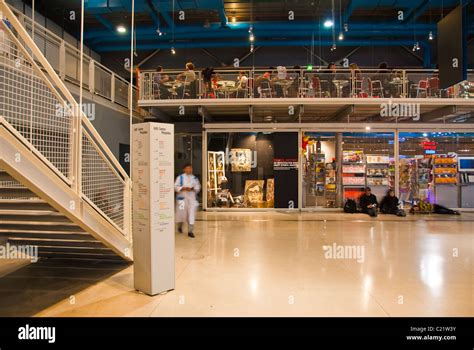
(253, 194)
(270, 193)
(241, 159)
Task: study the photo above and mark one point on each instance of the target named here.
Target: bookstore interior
(261, 170)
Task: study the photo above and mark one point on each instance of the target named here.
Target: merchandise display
(353, 173)
(445, 168)
(241, 159)
(253, 195)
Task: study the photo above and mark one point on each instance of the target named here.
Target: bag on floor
(350, 206)
(401, 212)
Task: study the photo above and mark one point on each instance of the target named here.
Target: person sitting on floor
(389, 204)
(368, 202)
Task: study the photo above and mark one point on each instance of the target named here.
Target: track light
(250, 29)
(173, 51)
(328, 23)
(416, 47)
(346, 27)
(251, 47)
(333, 47)
(251, 37)
(430, 36)
(341, 36)
(121, 29)
(160, 33)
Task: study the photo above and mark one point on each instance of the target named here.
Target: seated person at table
(159, 90)
(188, 76)
(329, 76)
(242, 84)
(263, 84)
(368, 203)
(382, 76)
(389, 204)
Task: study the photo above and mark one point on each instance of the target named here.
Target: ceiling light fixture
(173, 51)
(341, 36)
(121, 29)
(430, 36)
(234, 19)
(328, 23)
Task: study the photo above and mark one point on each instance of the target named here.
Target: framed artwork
(241, 159)
(270, 193)
(253, 194)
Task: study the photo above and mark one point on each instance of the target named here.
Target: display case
(353, 173)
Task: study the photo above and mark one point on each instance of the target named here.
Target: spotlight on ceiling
(251, 37)
(430, 36)
(160, 33)
(121, 29)
(341, 36)
(328, 23)
(367, 128)
(234, 19)
(173, 51)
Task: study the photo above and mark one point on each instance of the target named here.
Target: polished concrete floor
(275, 264)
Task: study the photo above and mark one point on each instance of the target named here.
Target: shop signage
(429, 145)
(285, 163)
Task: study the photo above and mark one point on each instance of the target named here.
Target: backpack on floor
(350, 206)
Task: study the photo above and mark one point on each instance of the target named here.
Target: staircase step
(4, 176)
(69, 243)
(12, 192)
(78, 256)
(48, 235)
(75, 250)
(24, 204)
(33, 216)
(39, 226)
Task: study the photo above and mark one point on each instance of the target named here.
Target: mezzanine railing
(300, 83)
(65, 60)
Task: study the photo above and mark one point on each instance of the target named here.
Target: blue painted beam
(105, 23)
(200, 44)
(277, 27)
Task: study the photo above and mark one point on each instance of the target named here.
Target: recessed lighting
(121, 29)
(367, 128)
(328, 23)
(234, 19)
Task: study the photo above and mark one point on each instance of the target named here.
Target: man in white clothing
(187, 186)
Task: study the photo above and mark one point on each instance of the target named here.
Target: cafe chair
(304, 88)
(318, 91)
(265, 89)
(433, 87)
(358, 87)
(375, 88)
(422, 88)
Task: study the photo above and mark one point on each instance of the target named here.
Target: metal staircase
(61, 188)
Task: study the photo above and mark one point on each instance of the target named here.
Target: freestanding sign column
(153, 207)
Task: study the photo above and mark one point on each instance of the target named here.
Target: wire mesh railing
(101, 184)
(37, 104)
(54, 47)
(36, 112)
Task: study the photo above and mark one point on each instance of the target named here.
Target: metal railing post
(91, 76)
(62, 60)
(112, 87)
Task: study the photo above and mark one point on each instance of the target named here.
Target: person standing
(368, 202)
(187, 186)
